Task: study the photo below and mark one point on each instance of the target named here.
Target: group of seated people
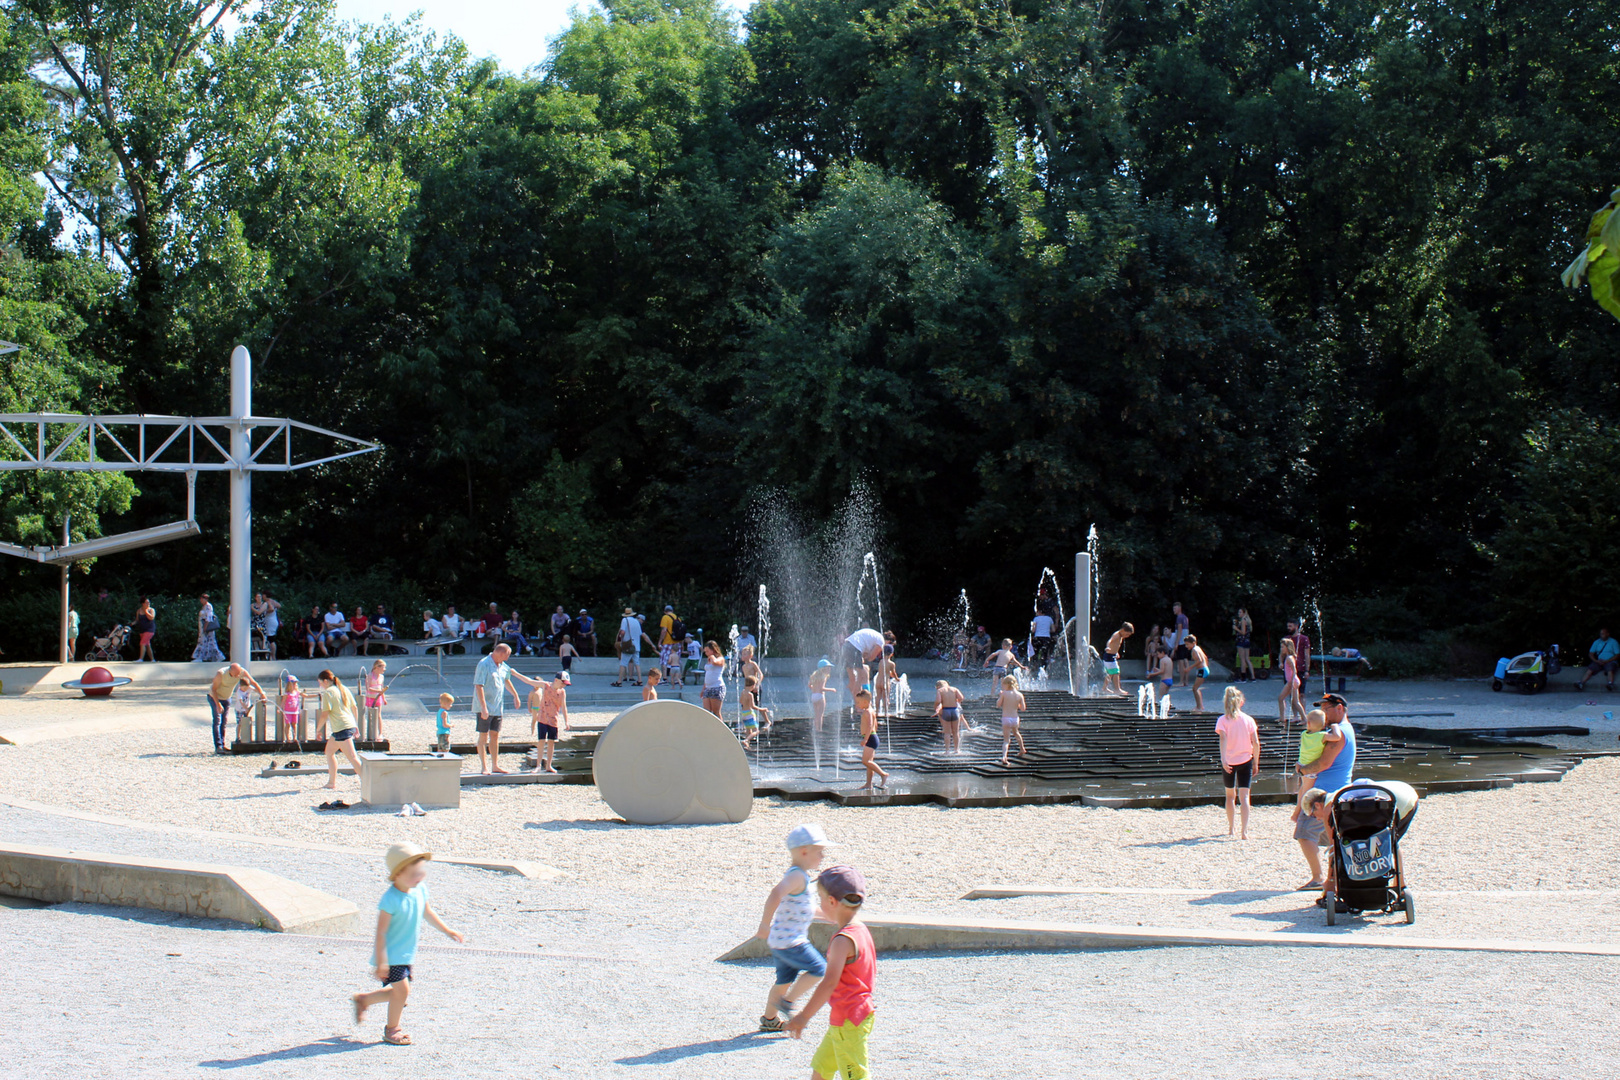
(331, 632)
(578, 632)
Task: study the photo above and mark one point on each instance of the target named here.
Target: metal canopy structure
(239, 444)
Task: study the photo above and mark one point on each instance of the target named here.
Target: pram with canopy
(1368, 820)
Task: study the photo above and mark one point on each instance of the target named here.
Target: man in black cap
(1333, 769)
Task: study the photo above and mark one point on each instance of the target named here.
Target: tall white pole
(62, 653)
(1080, 683)
(241, 504)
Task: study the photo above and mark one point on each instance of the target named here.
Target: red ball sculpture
(90, 682)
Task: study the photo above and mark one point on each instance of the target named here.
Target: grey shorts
(489, 723)
(1308, 828)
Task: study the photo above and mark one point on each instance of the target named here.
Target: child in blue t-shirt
(442, 728)
(399, 924)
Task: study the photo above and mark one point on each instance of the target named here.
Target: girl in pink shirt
(1240, 754)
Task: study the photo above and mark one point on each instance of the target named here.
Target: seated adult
(1605, 653)
(382, 625)
(336, 629)
(360, 630)
(452, 622)
(312, 632)
(512, 630)
(981, 646)
(559, 627)
(583, 631)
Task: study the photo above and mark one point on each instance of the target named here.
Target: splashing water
(1048, 574)
(869, 569)
(1144, 700)
(764, 626)
(1164, 707)
(900, 696)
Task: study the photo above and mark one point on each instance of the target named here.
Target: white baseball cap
(809, 834)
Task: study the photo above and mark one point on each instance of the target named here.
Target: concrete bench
(201, 890)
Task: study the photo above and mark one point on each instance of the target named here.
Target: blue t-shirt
(1605, 650)
(492, 677)
(1338, 774)
(444, 722)
(404, 922)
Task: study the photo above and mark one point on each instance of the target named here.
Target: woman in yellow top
(336, 713)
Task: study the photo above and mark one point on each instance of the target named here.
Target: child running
(1110, 659)
(750, 710)
(441, 723)
(869, 740)
(851, 968)
(818, 691)
(948, 707)
(1002, 659)
(1311, 742)
(650, 691)
(566, 653)
(1011, 703)
(785, 925)
(399, 927)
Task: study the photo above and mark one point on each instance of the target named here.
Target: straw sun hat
(401, 855)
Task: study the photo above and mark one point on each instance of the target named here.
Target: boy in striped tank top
(785, 925)
(851, 965)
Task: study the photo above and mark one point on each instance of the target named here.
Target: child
(883, 679)
(1110, 659)
(550, 719)
(650, 691)
(1011, 703)
(750, 711)
(1288, 699)
(376, 695)
(749, 669)
(785, 925)
(292, 709)
(1311, 742)
(566, 652)
(242, 705)
(399, 925)
(1198, 672)
(1002, 659)
(818, 690)
(1162, 676)
(948, 707)
(442, 722)
(851, 966)
(869, 740)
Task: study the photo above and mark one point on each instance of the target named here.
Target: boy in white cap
(399, 926)
(785, 925)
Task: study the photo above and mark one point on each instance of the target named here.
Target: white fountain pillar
(241, 504)
(1080, 659)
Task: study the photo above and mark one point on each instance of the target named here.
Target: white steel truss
(67, 442)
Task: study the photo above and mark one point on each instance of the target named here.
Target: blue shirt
(493, 678)
(1605, 650)
(1338, 774)
(404, 922)
(444, 722)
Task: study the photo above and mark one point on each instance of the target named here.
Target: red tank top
(852, 998)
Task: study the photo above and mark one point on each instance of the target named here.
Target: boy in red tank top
(851, 964)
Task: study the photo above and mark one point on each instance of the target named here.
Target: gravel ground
(632, 989)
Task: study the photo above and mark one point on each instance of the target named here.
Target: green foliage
(563, 549)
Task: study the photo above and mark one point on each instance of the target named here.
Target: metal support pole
(241, 504)
(1080, 683)
(62, 652)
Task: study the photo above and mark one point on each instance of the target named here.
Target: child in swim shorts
(1011, 703)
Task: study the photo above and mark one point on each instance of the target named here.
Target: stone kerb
(672, 763)
(202, 890)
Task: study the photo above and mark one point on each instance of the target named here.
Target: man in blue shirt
(1333, 771)
(491, 681)
(1605, 658)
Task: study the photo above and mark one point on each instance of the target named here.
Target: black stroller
(1367, 828)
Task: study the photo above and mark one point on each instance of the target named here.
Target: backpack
(677, 630)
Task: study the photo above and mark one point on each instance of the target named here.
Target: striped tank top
(790, 925)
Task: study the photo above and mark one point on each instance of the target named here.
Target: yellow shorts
(843, 1051)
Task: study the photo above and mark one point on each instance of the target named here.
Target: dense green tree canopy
(1265, 289)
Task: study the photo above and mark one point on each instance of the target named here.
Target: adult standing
(73, 633)
(860, 648)
(1243, 638)
(1040, 632)
(491, 681)
(336, 715)
(262, 612)
(1181, 629)
(207, 650)
(1240, 756)
(220, 689)
(145, 630)
(1605, 654)
(1333, 769)
(1302, 651)
(714, 678)
(628, 645)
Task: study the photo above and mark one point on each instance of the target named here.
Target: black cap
(1333, 699)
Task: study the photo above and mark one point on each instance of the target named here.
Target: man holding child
(1333, 769)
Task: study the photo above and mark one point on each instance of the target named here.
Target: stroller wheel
(1496, 685)
(1411, 908)
(1330, 905)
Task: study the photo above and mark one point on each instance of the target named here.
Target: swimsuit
(818, 697)
(950, 714)
(1009, 721)
(871, 741)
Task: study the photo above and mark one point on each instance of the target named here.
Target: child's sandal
(395, 1037)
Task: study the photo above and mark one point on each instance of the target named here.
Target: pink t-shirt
(1238, 734)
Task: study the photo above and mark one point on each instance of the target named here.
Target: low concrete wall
(203, 890)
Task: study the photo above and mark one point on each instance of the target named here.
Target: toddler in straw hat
(399, 925)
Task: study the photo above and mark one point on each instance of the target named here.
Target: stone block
(427, 779)
(672, 763)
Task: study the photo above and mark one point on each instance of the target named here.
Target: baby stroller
(1528, 671)
(1368, 823)
(110, 647)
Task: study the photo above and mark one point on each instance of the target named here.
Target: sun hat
(844, 882)
(401, 854)
(629, 611)
(810, 834)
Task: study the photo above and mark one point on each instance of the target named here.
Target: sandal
(393, 1036)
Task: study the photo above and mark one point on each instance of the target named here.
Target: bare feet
(331, 787)
(360, 1007)
(500, 770)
